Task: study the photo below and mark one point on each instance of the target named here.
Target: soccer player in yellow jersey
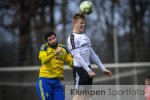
(52, 56)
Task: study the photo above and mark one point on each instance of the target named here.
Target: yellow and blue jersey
(54, 68)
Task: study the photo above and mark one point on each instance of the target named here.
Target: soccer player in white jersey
(81, 50)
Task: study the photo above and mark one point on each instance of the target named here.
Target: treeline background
(119, 29)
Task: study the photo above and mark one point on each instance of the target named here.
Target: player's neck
(77, 32)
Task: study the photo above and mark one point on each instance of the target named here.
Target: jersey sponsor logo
(60, 56)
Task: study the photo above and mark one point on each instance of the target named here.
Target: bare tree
(138, 10)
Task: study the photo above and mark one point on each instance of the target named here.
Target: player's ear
(74, 21)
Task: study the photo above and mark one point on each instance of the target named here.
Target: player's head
(79, 22)
(51, 39)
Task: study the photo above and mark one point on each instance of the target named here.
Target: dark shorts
(81, 77)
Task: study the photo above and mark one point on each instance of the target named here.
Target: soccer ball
(86, 7)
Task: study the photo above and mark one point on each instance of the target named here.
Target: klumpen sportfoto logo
(106, 92)
(112, 92)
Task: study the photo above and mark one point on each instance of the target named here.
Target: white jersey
(80, 46)
(82, 42)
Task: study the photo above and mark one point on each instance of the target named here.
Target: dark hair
(78, 16)
(48, 34)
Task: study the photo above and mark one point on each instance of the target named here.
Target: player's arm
(81, 61)
(69, 60)
(45, 57)
(98, 62)
(68, 57)
(76, 55)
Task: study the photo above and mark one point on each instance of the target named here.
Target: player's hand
(58, 50)
(108, 73)
(91, 73)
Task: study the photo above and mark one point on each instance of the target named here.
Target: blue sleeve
(43, 47)
(65, 48)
